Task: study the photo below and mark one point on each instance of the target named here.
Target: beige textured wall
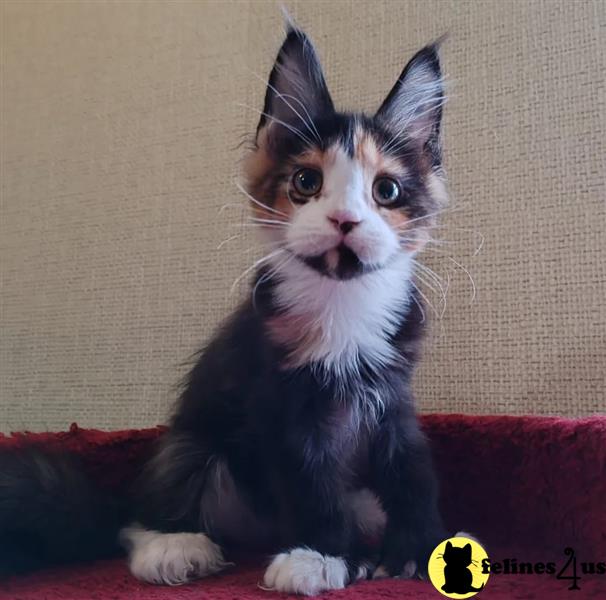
(120, 126)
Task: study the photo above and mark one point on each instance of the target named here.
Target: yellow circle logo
(455, 568)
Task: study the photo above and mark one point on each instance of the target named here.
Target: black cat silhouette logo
(455, 567)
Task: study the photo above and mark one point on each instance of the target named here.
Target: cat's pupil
(388, 190)
(308, 180)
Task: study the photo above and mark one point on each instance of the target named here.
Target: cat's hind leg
(172, 542)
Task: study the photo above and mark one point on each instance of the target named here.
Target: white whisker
(292, 129)
(424, 298)
(430, 273)
(435, 284)
(466, 271)
(266, 276)
(404, 226)
(269, 221)
(420, 308)
(229, 239)
(254, 265)
(259, 203)
(259, 225)
(230, 205)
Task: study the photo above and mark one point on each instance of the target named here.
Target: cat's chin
(340, 262)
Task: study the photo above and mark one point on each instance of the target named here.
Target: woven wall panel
(120, 127)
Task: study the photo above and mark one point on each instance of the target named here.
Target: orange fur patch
(375, 163)
(259, 166)
(298, 334)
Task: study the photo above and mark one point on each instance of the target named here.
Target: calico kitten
(296, 430)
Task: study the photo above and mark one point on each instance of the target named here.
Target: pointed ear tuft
(296, 91)
(413, 107)
(289, 21)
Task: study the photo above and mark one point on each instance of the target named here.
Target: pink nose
(343, 220)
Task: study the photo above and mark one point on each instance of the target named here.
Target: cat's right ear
(448, 546)
(296, 91)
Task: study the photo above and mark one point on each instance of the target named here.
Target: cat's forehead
(353, 148)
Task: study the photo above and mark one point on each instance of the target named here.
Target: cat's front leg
(403, 478)
(320, 525)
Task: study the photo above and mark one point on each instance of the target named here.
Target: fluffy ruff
(525, 486)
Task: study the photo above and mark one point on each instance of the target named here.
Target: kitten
(296, 430)
(303, 401)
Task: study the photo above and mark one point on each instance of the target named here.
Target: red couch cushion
(527, 487)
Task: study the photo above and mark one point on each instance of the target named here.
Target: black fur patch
(52, 513)
(287, 438)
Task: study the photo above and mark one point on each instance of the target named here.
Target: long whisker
(255, 265)
(431, 274)
(435, 284)
(424, 298)
(292, 129)
(427, 216)
(259, 203)
(475, 232)
(431, 241)
(274, 221)
(419, 305)
(260, 225)
(466, 271)
(269, 275)
(463, 268)
(231, 205)
(229, 239)
(426, 283)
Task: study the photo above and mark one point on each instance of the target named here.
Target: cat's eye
(307, 182)
(385, 191)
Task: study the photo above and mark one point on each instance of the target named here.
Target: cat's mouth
(340, 262)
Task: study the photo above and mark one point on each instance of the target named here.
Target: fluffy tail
(52, 513)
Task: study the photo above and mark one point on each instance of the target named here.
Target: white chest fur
(335, 322)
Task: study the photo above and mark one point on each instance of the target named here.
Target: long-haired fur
(296, 430)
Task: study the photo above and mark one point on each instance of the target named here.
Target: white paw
(363, 571)
(307, 572)
(170, 558)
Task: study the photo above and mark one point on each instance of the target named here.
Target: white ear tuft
(413, 107)
(296, 90)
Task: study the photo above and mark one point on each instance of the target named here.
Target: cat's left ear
(296, 91)
(413, 107)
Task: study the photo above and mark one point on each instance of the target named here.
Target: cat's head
(346, 193)
(455, 556)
